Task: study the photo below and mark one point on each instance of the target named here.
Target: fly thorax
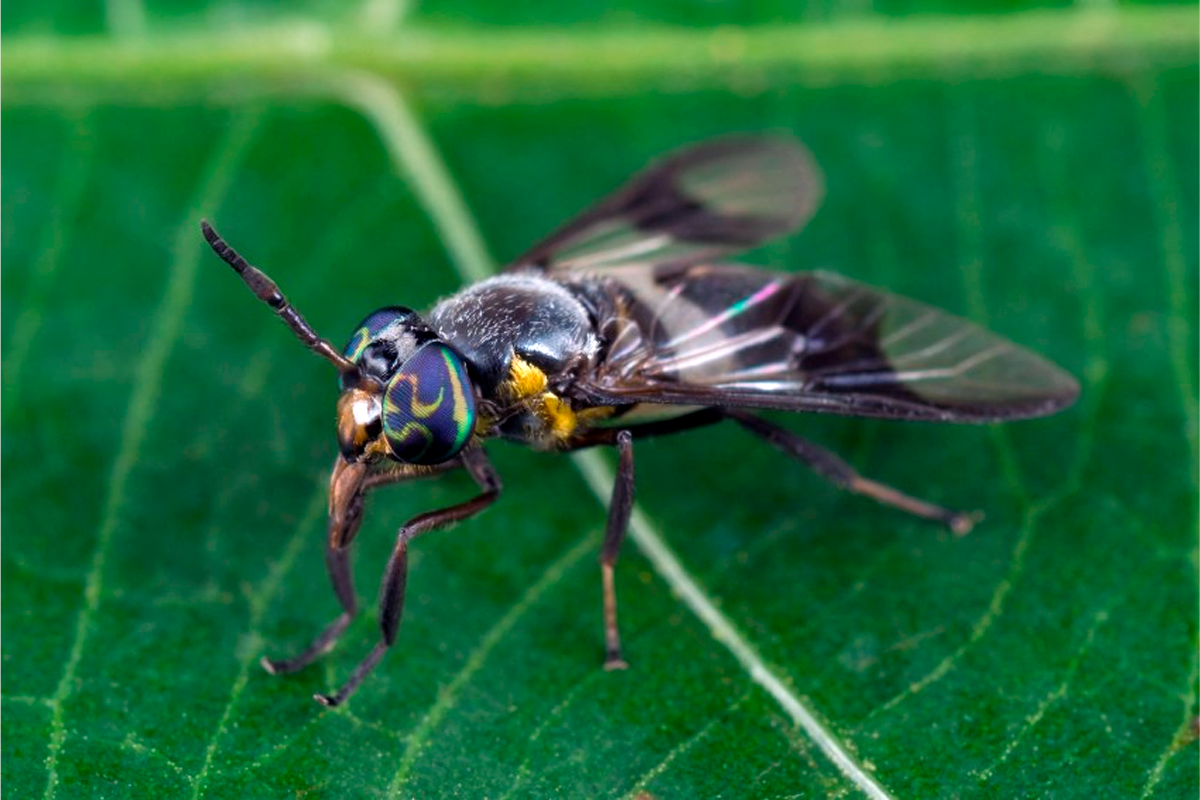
(518, 314)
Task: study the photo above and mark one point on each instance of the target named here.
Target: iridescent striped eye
(370, 328)
(429, 407)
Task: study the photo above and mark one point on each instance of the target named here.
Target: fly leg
(391, 596)
(348, 487)
(619, 510)
(346, 496)
(840, 474)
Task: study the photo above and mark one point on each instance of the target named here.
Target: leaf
(165, 441)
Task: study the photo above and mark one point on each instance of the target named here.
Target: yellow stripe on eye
(420, 410)
(461, 409)
(358, 343)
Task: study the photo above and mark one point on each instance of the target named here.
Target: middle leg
(620, 508)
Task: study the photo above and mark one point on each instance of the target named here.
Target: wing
(725, 335)
(701, 203)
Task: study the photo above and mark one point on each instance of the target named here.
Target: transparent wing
(700, 203)
(726, 335)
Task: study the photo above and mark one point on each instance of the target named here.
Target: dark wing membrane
(703, 202)
(734, 336)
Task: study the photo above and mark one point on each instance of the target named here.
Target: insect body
(626, 323)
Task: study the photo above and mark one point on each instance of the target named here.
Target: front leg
(391, 596)
(348, 487)
(346, 497)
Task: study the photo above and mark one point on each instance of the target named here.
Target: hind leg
(833, 469)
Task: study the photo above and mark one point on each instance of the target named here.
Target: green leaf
(166, 442)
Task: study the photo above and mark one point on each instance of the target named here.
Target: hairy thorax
(524, 338)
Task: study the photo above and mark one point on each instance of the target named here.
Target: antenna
(265, 289)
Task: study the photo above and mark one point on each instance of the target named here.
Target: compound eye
(370, 328)
(429, 407)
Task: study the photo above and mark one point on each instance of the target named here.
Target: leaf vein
(1166, 208)
(644, 780)
(259, 601)
(523, 770)
(165, 329)
(1045, 704)
(448, 697)
(68, 194)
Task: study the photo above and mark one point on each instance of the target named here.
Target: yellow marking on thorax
(524, 380)
(559, 417)
(526, 386)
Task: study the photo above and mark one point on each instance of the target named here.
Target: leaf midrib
(865, 49)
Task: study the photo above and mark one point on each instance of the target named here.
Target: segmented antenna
(265, 289)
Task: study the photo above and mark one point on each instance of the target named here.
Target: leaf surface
(165, 441)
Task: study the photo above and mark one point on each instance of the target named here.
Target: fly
(627, 322)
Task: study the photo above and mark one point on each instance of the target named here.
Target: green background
(165, 442)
